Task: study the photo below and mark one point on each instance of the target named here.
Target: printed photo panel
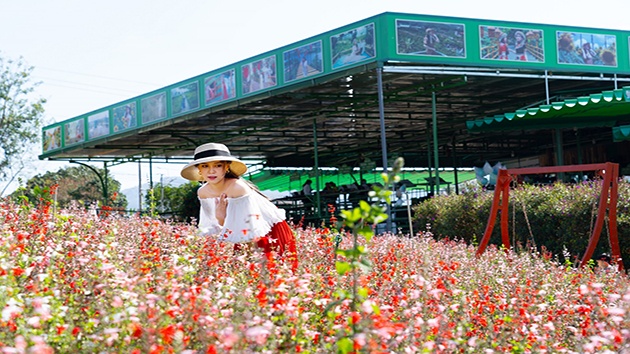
(259, 75)
(304, 61)
(586, 49)
(185, 98)
(219, 87)
(52, 138)
(353, 46)
(74, 131)
(153, 108)
(440, 39)
(512, 44)
(125, 116)
(98, 125)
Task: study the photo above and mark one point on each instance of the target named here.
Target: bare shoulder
(204, 192)
(237, 188)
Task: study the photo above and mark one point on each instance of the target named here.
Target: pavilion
(434, 90)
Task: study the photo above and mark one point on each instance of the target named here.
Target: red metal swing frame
(607, 202)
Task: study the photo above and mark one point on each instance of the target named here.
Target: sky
(90, 54)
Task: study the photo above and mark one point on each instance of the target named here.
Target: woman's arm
(221, 209)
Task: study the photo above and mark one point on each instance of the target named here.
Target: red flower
(355, 317)
(156, 349)
(262, 295)
(17, 271)
(168, 333)
(136, 330)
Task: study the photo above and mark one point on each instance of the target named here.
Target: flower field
(72, 282)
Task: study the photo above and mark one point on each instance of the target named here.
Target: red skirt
(281, 240)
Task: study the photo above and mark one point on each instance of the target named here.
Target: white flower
(34, 322)
(11, 309)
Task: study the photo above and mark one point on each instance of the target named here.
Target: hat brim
(191, 173)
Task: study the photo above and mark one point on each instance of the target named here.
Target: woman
(233, 209)
(519, 46)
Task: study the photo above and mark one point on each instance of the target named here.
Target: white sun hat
(212, 152)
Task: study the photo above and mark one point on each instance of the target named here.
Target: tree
(77, 183)
(20, 116)
(180, 203)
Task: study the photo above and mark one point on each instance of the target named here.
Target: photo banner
(389, 37)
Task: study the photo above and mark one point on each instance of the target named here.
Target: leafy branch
(362, 221)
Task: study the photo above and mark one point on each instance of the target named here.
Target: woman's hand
(221, 210)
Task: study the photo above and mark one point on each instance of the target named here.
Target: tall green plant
(362, 221)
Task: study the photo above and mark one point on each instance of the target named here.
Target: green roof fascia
(596, 110)
(621, 133)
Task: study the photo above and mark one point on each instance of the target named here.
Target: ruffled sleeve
(250, 217)
(208, 223)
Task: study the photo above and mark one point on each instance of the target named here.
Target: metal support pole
(547, 86)
(150, 173)
(381, 113)
(455, 172)
(578, 141)
(316, 167)
(103, 183)
(429, 164)
(558, 133)
(435, 144)
(140, 186)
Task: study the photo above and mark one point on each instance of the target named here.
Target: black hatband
(210, 153)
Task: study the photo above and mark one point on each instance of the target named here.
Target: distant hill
(132, 193)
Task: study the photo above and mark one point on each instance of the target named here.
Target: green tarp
(597, 110)
(286, 181)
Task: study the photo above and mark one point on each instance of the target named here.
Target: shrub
(560, 217)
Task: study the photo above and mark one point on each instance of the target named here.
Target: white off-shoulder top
(248, 217)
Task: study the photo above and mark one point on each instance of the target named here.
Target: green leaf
(364, 206)
(366, 232)
(342, 267)
(345, 345)
(376, 309)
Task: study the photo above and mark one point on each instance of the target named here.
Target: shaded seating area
(317, 209)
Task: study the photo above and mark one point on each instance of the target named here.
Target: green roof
(597, 110)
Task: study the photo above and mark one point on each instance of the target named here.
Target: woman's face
(213, 172)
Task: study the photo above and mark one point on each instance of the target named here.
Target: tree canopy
(180, 203)
(21, 115)
(76, 183)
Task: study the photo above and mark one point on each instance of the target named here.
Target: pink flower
(117, 301)
(259, 334)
